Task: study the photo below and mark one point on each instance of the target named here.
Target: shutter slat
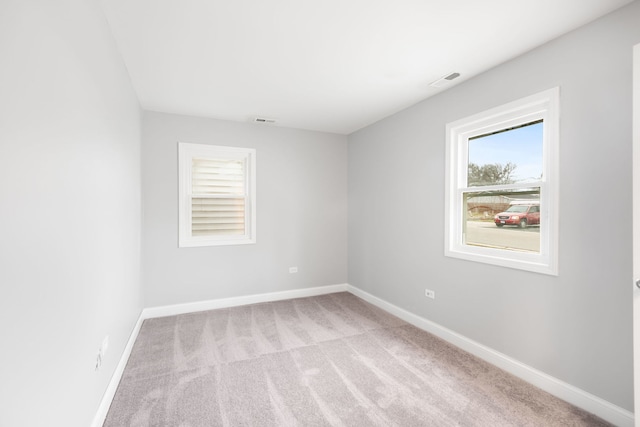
(217, 176)
(211, 216)
(204, 181)
(203, 222)
(228, 172)
(217, 163)
(218, 190)
(202, 215)
(213, 227)
(217, 200)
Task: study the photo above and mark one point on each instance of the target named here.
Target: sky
(522, 146)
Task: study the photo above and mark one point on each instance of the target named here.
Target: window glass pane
(503, 219)
(509, 156)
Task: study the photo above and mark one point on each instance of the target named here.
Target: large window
(217, 195)
(502, 185)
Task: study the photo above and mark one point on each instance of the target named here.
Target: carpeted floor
(331, 360)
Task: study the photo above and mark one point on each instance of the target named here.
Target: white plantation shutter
(218, 197)
(211, 216)
(217, 206)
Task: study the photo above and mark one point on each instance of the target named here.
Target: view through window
(502, 198)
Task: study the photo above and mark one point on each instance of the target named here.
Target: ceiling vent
(445, 80)
(264, 121)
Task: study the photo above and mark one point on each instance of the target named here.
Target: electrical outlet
(293, 270)
(101, 352)
(430, 294)
(98, 360)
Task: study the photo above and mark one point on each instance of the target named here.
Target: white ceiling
(330, 65)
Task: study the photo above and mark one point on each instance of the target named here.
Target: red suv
(520, 214)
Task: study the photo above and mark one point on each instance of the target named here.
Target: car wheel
(499, 225)
(523, 223)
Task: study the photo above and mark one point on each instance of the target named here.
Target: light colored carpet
(331, 360)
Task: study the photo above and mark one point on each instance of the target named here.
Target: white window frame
(186, 153)
(543, 105)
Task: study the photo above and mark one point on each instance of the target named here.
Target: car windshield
(517, 208)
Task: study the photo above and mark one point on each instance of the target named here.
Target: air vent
(445, 80)
(264, 120)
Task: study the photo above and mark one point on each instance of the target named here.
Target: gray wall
(301, 207)
(70, 202)
(70, 210)
(577, 326)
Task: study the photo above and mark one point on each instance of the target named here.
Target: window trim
(186, 153)
(543, 105)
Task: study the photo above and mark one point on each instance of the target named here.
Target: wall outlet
(430, 294)
(101, 352)
(293, 270)
(98, 360)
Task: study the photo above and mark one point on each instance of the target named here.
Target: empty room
(280, 213)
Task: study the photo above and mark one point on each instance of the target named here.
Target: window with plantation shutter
(217, 196)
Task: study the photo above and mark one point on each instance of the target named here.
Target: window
(217, 195)
(502, 185)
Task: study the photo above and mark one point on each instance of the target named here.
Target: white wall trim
(192, 307)
(110, 392)
(543, 106)
(636, 226)
(580, 398)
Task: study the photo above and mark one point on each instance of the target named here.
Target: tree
(490, 174)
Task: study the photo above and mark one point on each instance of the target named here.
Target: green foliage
(490, 174)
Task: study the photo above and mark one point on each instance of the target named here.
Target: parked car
(521, 214)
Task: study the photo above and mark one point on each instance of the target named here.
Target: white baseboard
(110, 392)
(192, 307)
(580, 398)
